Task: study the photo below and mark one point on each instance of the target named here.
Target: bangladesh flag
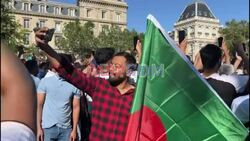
(172, 101)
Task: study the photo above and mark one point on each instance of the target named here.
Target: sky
(167, 12)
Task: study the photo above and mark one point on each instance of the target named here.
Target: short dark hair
(103, 55)
(68, 57)
(31, 66)
(210, 56)
(130, 59)
(87, 53)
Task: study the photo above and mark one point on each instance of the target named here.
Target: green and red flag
(172, 101)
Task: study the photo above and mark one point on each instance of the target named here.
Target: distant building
(33, 13)
(200, 24)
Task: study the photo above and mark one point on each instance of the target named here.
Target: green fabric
(187, 106)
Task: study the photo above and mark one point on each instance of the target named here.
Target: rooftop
(196, 8)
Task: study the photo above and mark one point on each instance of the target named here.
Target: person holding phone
(112, 98)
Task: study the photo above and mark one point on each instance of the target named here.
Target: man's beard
(116, 81)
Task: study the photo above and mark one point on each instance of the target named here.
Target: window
(42, 9)
(205, 13)
(72, 12)
(207, 34)
(213, 34)
(41, 24)
(193, 13)
(103, 14)
(199, 33)
(88, 12)
(192, 34)
(118, 17)
(26, 7)
(57, 11)
(199, 13)
(210, 15)
(57, 39)
(26, 38)
(26, 23)
(191, 51)
(58, 27)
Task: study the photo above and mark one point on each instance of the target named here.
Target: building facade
(200, 24)
(40, 13)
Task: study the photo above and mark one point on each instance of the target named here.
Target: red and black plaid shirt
(110, 109)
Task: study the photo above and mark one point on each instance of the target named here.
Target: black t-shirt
(225, 90)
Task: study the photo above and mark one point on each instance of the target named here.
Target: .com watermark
(152, 70)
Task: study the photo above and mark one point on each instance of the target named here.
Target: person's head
(226, 69)
(44, 65)
(103, 55)
(32, 67)
(211, 57)
(120, 66)
(87, 57)
(68, 57)
(43, 69)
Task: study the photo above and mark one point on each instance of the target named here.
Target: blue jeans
(55, 133)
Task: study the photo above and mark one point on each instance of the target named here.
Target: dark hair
(130, 59)
(210, 56)
(87, 53)
(103, 55)
(68, 57)
(43, 65)
(32, 66)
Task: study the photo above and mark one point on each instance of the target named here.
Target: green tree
(114, 37)
(236, 31)
(78, 37)
(11, 31)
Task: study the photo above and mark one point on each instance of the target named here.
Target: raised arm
(63, 67)
(52, 55)
(240, 50)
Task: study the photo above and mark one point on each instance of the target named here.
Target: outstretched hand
(39, 37)
(43, 45)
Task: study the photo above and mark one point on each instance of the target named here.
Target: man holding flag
(179, 105)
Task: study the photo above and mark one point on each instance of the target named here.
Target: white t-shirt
(15, 131)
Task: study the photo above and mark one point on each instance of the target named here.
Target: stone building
(40, 13)
(200, 24)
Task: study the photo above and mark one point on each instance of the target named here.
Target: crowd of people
(89, 98)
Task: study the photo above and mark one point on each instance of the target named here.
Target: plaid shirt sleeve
(76, 77)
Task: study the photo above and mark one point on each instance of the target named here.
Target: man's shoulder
(220, 84)
(48, 78)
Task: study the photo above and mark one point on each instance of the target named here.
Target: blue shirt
(58, 100)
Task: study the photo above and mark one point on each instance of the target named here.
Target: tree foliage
(79, 37)
(236, 31)
(11, 31)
